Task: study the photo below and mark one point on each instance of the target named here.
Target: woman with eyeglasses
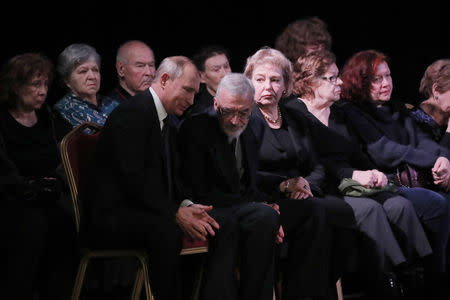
(319, 229)
(392, 140)
(376, 204)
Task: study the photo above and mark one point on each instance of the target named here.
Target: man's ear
(164, 79)
(216, 104)
(202, 76)
(120, 69)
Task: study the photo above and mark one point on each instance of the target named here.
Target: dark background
(412, 35)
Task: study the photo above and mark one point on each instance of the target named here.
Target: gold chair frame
(88, 254)
(142, 277)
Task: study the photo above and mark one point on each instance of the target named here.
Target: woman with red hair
(392, 140)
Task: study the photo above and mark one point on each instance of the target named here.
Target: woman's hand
(441, 171)
(365, 178)
(380, 179)
(296, 188)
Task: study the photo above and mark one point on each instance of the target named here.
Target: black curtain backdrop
(412, 35)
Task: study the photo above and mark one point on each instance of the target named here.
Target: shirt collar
(160, 110)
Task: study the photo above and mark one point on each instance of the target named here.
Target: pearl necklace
(270, 120)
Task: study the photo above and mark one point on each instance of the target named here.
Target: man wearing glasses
(219, 169)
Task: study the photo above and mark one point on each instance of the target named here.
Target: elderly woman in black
(392, 140)
(317, 88)
(316, 226)
(39, 234)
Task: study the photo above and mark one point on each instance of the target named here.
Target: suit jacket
(128, 182)
(209, 169)
(271, 152)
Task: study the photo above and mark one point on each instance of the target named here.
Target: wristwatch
(286, 186)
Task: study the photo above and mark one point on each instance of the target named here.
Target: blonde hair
(274, 57)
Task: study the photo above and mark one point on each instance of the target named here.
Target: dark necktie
(236, 148)
(166, 155)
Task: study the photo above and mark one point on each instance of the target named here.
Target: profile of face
(33, 94)
(179, 93)
(84, 81)
(216, 67)
(443, 100)
(328, 89)
(269, 84)
(233, 111)
(381, 86)
(138, 72)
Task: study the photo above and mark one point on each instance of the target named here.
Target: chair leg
(148, 291)
(197, 284)
(340, 294)
(80, 278)
(137, 287)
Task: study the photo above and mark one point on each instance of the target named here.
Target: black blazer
(209, 172)
(128, 180)
(337, 145)
(306, 162)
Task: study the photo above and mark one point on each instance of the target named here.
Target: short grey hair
(173, 66)
(236, 84)
(73, 56)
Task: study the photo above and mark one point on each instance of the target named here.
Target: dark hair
(358, 73)
(209, 51)
(19, 71)
(300, 33)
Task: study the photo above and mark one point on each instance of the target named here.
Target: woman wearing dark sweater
(391, 140)
(40, 234)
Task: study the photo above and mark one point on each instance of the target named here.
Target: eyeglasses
(229, 113)
(331, 79)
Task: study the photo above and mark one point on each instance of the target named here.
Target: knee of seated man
(265, 217)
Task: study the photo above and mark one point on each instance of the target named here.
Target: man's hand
(195, 221)
(280, 234)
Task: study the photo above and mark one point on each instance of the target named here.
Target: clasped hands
(296, 188)
(370, 178)
(195, 221)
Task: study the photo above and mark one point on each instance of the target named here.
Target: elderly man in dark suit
(133, 198)
(219, 168)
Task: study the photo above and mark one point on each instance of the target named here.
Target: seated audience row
(255, 161)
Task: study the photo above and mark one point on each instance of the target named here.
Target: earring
(436, 98)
